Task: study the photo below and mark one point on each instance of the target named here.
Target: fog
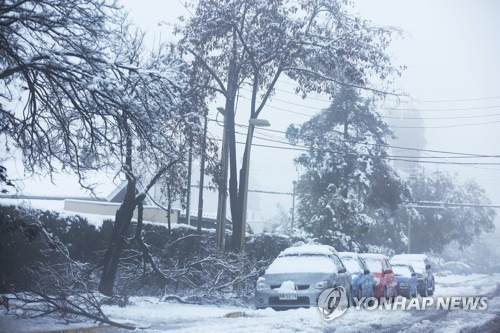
(451, 51)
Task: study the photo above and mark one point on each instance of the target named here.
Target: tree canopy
(347, 178)
(249, 45)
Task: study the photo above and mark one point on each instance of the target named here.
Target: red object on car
(381, 269)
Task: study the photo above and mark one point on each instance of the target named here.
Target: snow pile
(286, 287)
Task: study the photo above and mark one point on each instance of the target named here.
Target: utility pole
(246, 167)
(293, 206)
(221, 207)
(409, 231)
(252, 123)
(202, 175)
(190, 166)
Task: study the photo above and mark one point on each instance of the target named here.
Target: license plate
(288, 296)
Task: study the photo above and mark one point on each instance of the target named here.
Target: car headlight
(322, 284)
(377, 280)
(261, 285)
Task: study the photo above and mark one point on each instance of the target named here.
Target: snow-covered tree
(346, 174)
(251, 44)
(434, 228)
(79, 93)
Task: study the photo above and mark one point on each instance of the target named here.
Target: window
(337, 262)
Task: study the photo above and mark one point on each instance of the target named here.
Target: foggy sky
(452, 51)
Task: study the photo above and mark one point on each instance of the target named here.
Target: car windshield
(418, 265)
(401, 270)
(374, 265)
(352, 265)
(302, 264)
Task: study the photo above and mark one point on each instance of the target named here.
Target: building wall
(152, 214)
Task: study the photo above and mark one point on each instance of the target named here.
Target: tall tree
(346, 171)
(434, 228)
(78, 92)
(169, 115)
(249, 45)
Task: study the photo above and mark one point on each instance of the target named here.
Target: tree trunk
(123, 219)
(232, 86)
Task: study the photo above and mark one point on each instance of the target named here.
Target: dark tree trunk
(123, 219)
(232, 86)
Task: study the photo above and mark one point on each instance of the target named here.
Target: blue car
(362, 279)
(407, 280)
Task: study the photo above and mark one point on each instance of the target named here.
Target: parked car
(407, 280)
(298, 275)
(456, 267)
(381, 269)
(422, 267)
(362, 279)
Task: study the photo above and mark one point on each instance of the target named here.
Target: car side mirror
(427, 266)
(366, 271)
(388, 271)
(413, 274)
(342, 270)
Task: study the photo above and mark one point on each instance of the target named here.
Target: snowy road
(175, 317)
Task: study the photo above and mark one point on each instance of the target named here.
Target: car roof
(348, 255)
(409, 257)
(400, 263)
(456, 263)
(373, 256)
(309, 249)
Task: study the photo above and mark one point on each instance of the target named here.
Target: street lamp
(253, 122)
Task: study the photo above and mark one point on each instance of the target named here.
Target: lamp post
(253, 122)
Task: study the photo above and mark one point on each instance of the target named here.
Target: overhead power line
(384, 157)
(388, 157)
(391, 117)
(449, 126)
(411, 98)
(372, 144)
(440, 204)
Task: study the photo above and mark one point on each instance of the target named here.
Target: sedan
(297, 278)
(407, 280)
(362, 279)
(381, 269)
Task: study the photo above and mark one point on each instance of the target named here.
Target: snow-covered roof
(373, 256)
(308, 249)
(302, 264)
(348, 254)
(409, 257)
(458, 263)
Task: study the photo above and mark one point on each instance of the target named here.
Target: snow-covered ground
(162, 316)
